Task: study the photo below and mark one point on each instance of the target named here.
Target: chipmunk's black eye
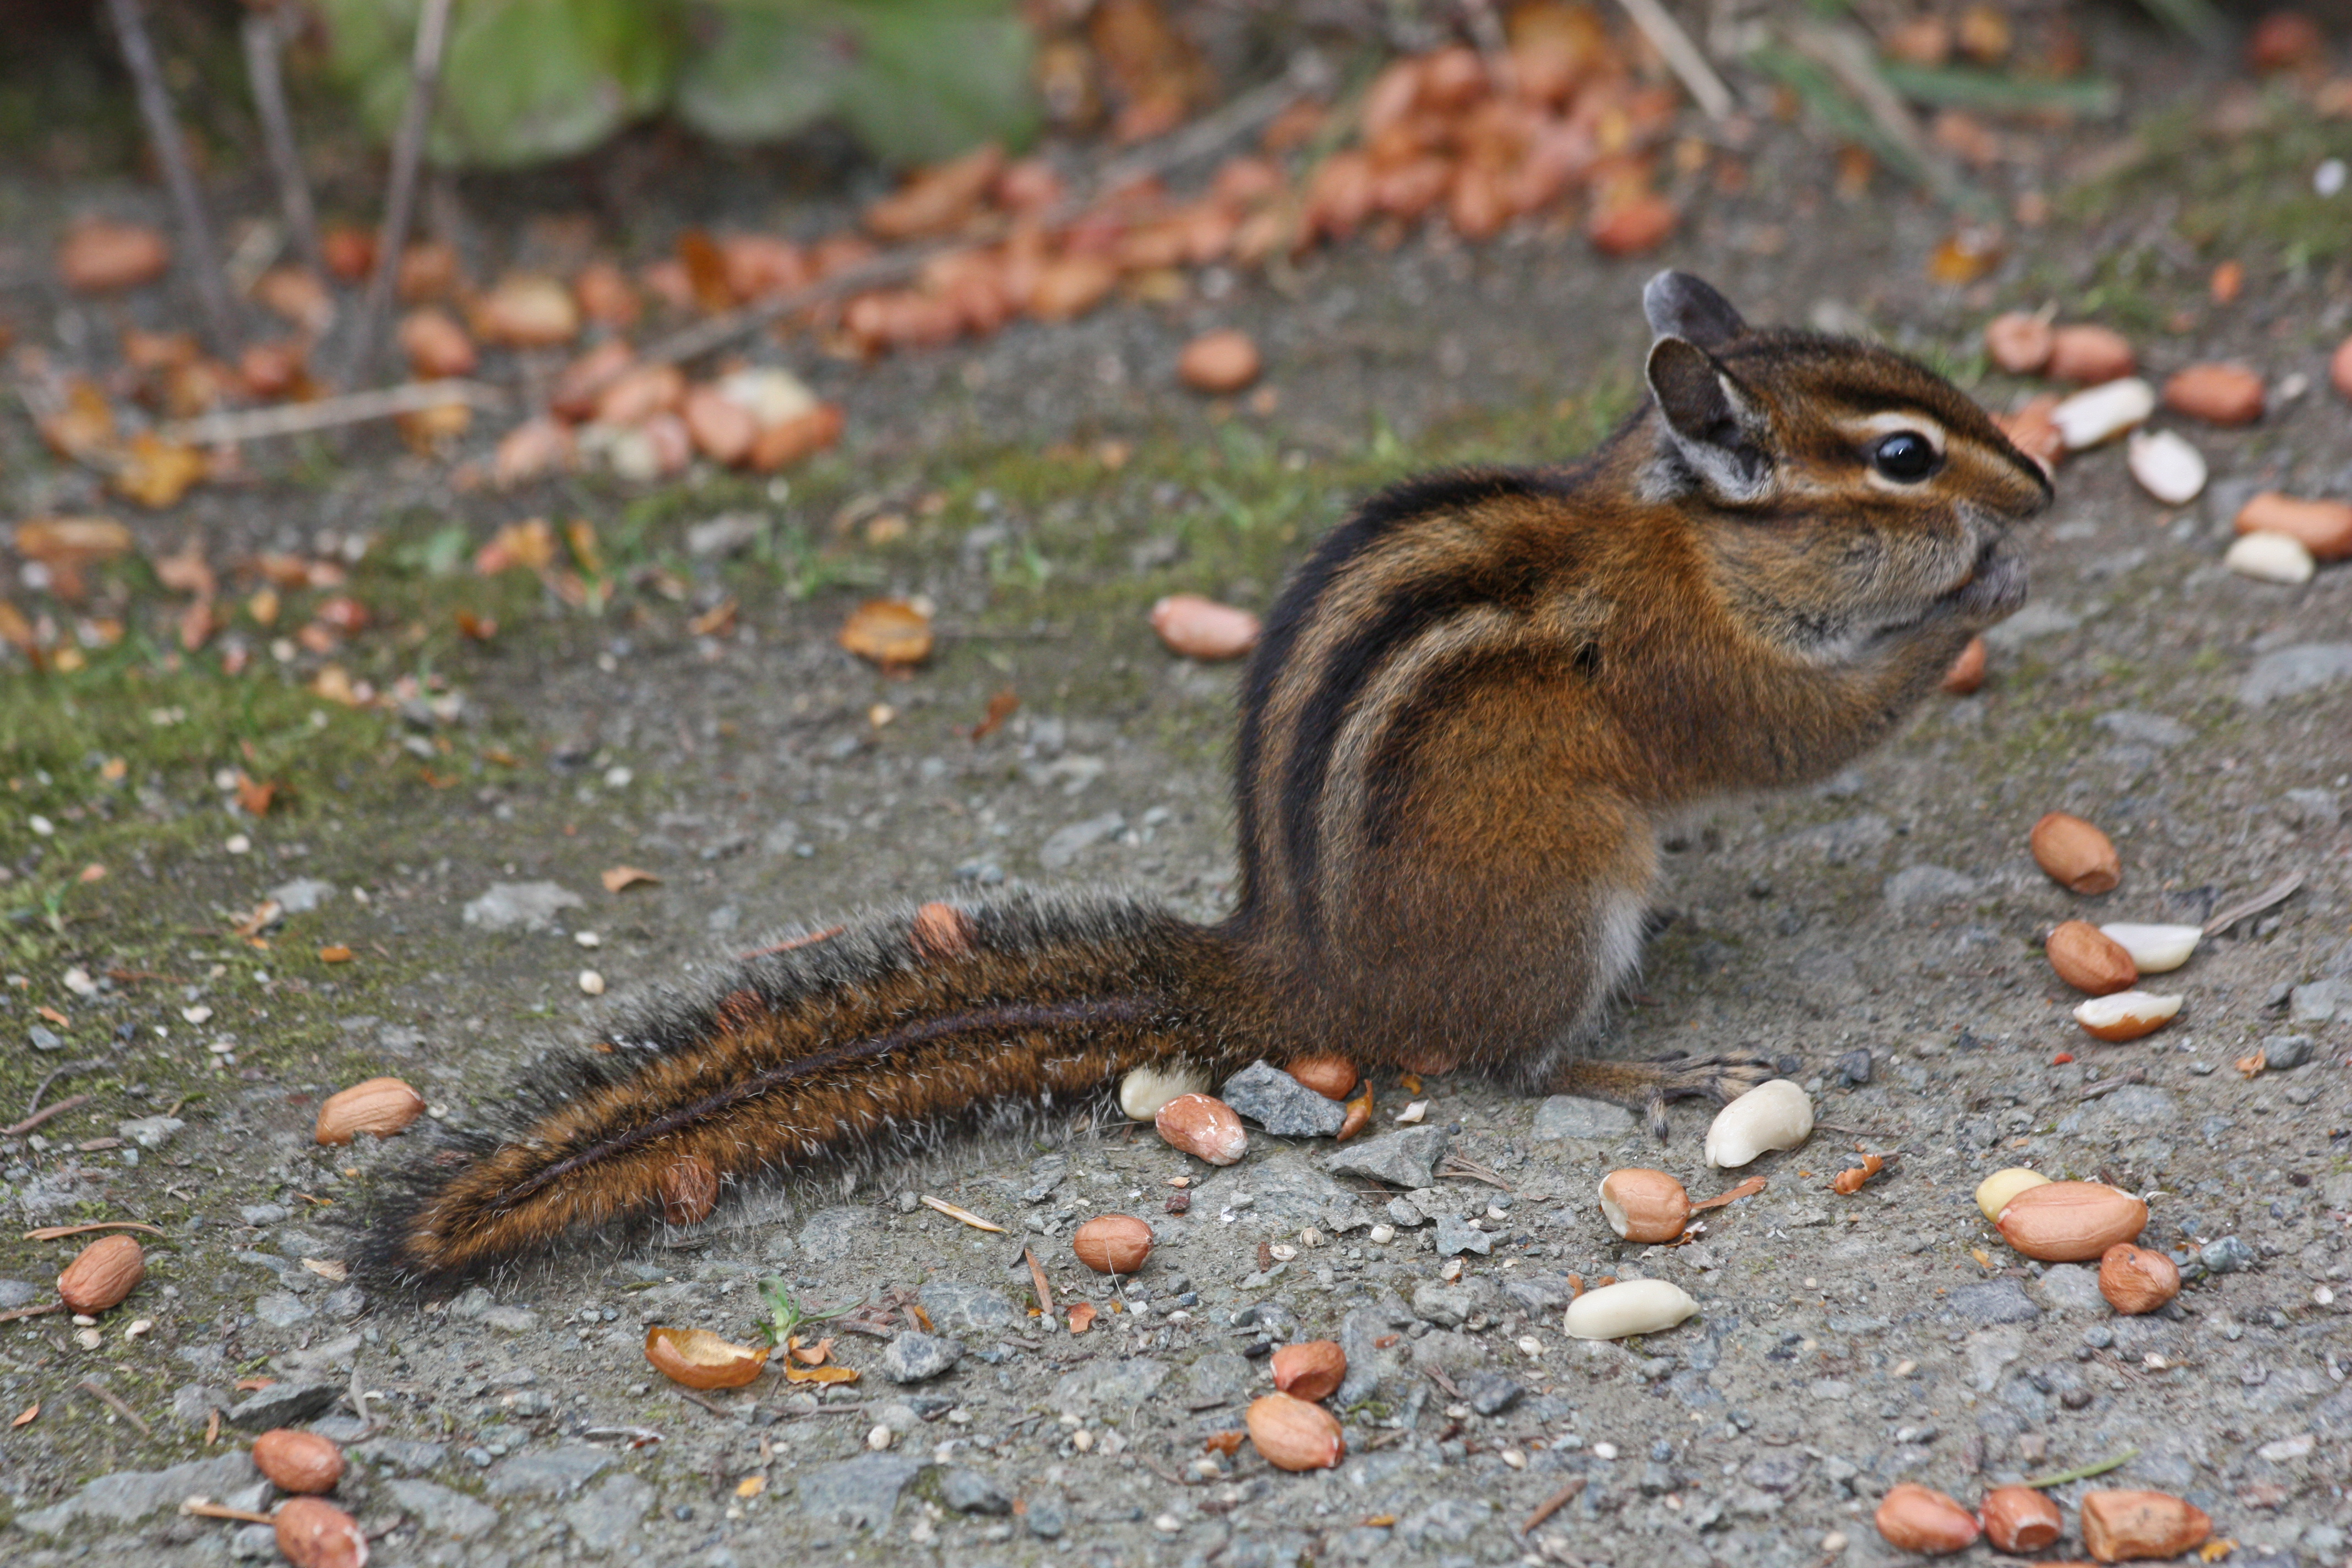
(1904, 457)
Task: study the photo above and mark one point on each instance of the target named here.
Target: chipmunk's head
(1849, 494)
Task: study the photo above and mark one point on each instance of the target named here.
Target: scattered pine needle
(1554, 1503)
(966, 1215)
(2085, 1472)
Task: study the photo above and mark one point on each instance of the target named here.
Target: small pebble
(237, 844)
(587, 938)
(592, 982)
(879, 1439)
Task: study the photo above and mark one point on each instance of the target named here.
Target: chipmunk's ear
(1680, 306)
(1713, 424)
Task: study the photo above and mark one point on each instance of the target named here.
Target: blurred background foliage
(525, 81)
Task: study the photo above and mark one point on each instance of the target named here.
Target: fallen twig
(60, 1232)
(40, 1311)
(2085, 1472)
(205, 1508)
(266, 34)
(71, 1103)
(172, 154)
(2113, 1084)
(1687, 59)
(113, 1401)
(407, 153)
(1554, 1503)
(328, 413)
(55, 1073)
(1850, 59)
(2278, 892)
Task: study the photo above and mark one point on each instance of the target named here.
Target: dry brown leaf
(187, 572)
(254, 795)
(265, 914)
(2252, 1066)
(328, 1268)
(621, 876)
(750, 1486)
(717, 621)
(1001, 707)
(26, 1417)
(71, 541)
(83, 426)
(93, 872)
(828, 1374)
(966, 1215)
(476, 629)
(891, 633)
(1227, 1443)
(1082, 1316)
(157, 473)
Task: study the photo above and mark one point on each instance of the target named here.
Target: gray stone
(1536, 1294)
(283, 1404)
(252, 1542)
(1407, 1158)
(521, 906)
(192, 1404)
(17, 1293)
(1221, 1377)
(1845, 842)
(607, 1515)
(837, 1235)
(1450, 1306)
(1108, 1385)
(511, 1320)
(861, 1492)
(403, 1454)
(970, 1308)
(1281, 1104)
(301, 895)
(1571, 1116)
(1448, 1351)
(2283, 1052)
(130, 1496)
(1047, 1516)
(2072, 1288)
(2140, 1104)
(2039, 619)
(258, 1215)
(469, 1304)
(1361, 1332)
(2318, 809)
(728, 534)
(2146, 729)
(281, 1310)
(1854, 1068)
(440, 1511)
(1457, 1235)
(1286, 1188)
(1491, 1393)
(150, 1131)
(1993, 1302)
(968, 1490)
(2290, 671)
(2226, 1255)
(912, 1357)
(1448, 1519)
(1065, 845)
(556, 1470)
(2320, 1001)
(1927, 886)
(1407, 1214)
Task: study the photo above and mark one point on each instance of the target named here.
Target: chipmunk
(1469, 711)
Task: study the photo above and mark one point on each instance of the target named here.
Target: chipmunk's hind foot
(1648, 1087)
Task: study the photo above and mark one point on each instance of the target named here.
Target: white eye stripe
(1890, 421)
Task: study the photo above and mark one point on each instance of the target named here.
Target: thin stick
(1554, 1503)
(205, 1508)
(32, 1311)
(172, 154)
(2085, 1472)
(1197, 139)
(71, 1103)
(2278, 892)
(60, 1232)
(266, 34)
(114, 1402)
(329, 412)
(1851, 60)
(407, 153)
(1686, 59)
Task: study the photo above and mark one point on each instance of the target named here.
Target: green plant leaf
(757, 69)
(521, 81)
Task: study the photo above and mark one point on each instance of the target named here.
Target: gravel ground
(1881, 931)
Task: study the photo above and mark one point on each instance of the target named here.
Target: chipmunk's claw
(1720, 1078)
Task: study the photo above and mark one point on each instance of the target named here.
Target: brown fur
(1471, 710)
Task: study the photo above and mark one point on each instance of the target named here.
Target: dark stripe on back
(1509, 578)
(1390, 770)
(1447, 490)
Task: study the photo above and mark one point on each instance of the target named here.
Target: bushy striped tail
(872, 1040)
